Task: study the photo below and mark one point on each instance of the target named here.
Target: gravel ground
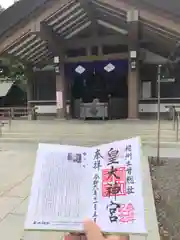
(166, 186)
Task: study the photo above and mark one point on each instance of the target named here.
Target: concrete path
(77, 131)
(16, 169)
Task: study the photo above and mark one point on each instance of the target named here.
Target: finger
(83, 237)
(118, 238)
(73, 236)
(92, 231)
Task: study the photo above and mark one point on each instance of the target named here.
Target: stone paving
(16, 169)
(73, 131)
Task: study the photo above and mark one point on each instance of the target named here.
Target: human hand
(93, 232)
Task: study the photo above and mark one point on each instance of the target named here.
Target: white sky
(6, 3)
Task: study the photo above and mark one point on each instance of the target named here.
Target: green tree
(13, 70)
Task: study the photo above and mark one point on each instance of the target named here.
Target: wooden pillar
(100, 50)
(133, 69)
(88, 51)
(29, 85)
(60, 92)
(30, 90)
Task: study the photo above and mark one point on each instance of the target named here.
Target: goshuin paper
(102, 183)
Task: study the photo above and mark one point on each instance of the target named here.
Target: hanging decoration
(80, 69)
(109, 68)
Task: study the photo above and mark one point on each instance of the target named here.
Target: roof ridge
(17, 12)
(159, 6)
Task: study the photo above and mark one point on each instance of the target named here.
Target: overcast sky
(6, 3)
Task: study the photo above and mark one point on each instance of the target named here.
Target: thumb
(92, 231)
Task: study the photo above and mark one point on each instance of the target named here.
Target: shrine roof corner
(17, 13)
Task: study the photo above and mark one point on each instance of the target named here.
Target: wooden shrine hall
(93, 58)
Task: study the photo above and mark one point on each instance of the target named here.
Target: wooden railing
(7, 113)
(174, 112)
(4, 119)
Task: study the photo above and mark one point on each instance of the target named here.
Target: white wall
(152, 108)
(143, 107)
(46, 109)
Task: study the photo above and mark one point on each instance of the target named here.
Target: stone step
(82, 129)
(104, 139)
(113, 135)
(91, 142)
(54, 124)
(95, 132)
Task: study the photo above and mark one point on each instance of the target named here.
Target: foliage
(11, 68)
(173, 62)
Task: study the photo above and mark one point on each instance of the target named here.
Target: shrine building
(93, 58)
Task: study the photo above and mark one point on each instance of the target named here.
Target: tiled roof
(169, 6)
(17, 12)
(24, 8)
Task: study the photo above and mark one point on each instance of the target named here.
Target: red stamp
(114, 182)
(126, 213)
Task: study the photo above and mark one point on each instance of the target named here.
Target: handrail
(177, 127)
(155, 98)
(1, 125)
(42, 101)
(12, 112)
(48, 101)
(175, 119)
(5, 117)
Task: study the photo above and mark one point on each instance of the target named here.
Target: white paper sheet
(103, 183)
(59, 99)
(120, 204)
(60, 196)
